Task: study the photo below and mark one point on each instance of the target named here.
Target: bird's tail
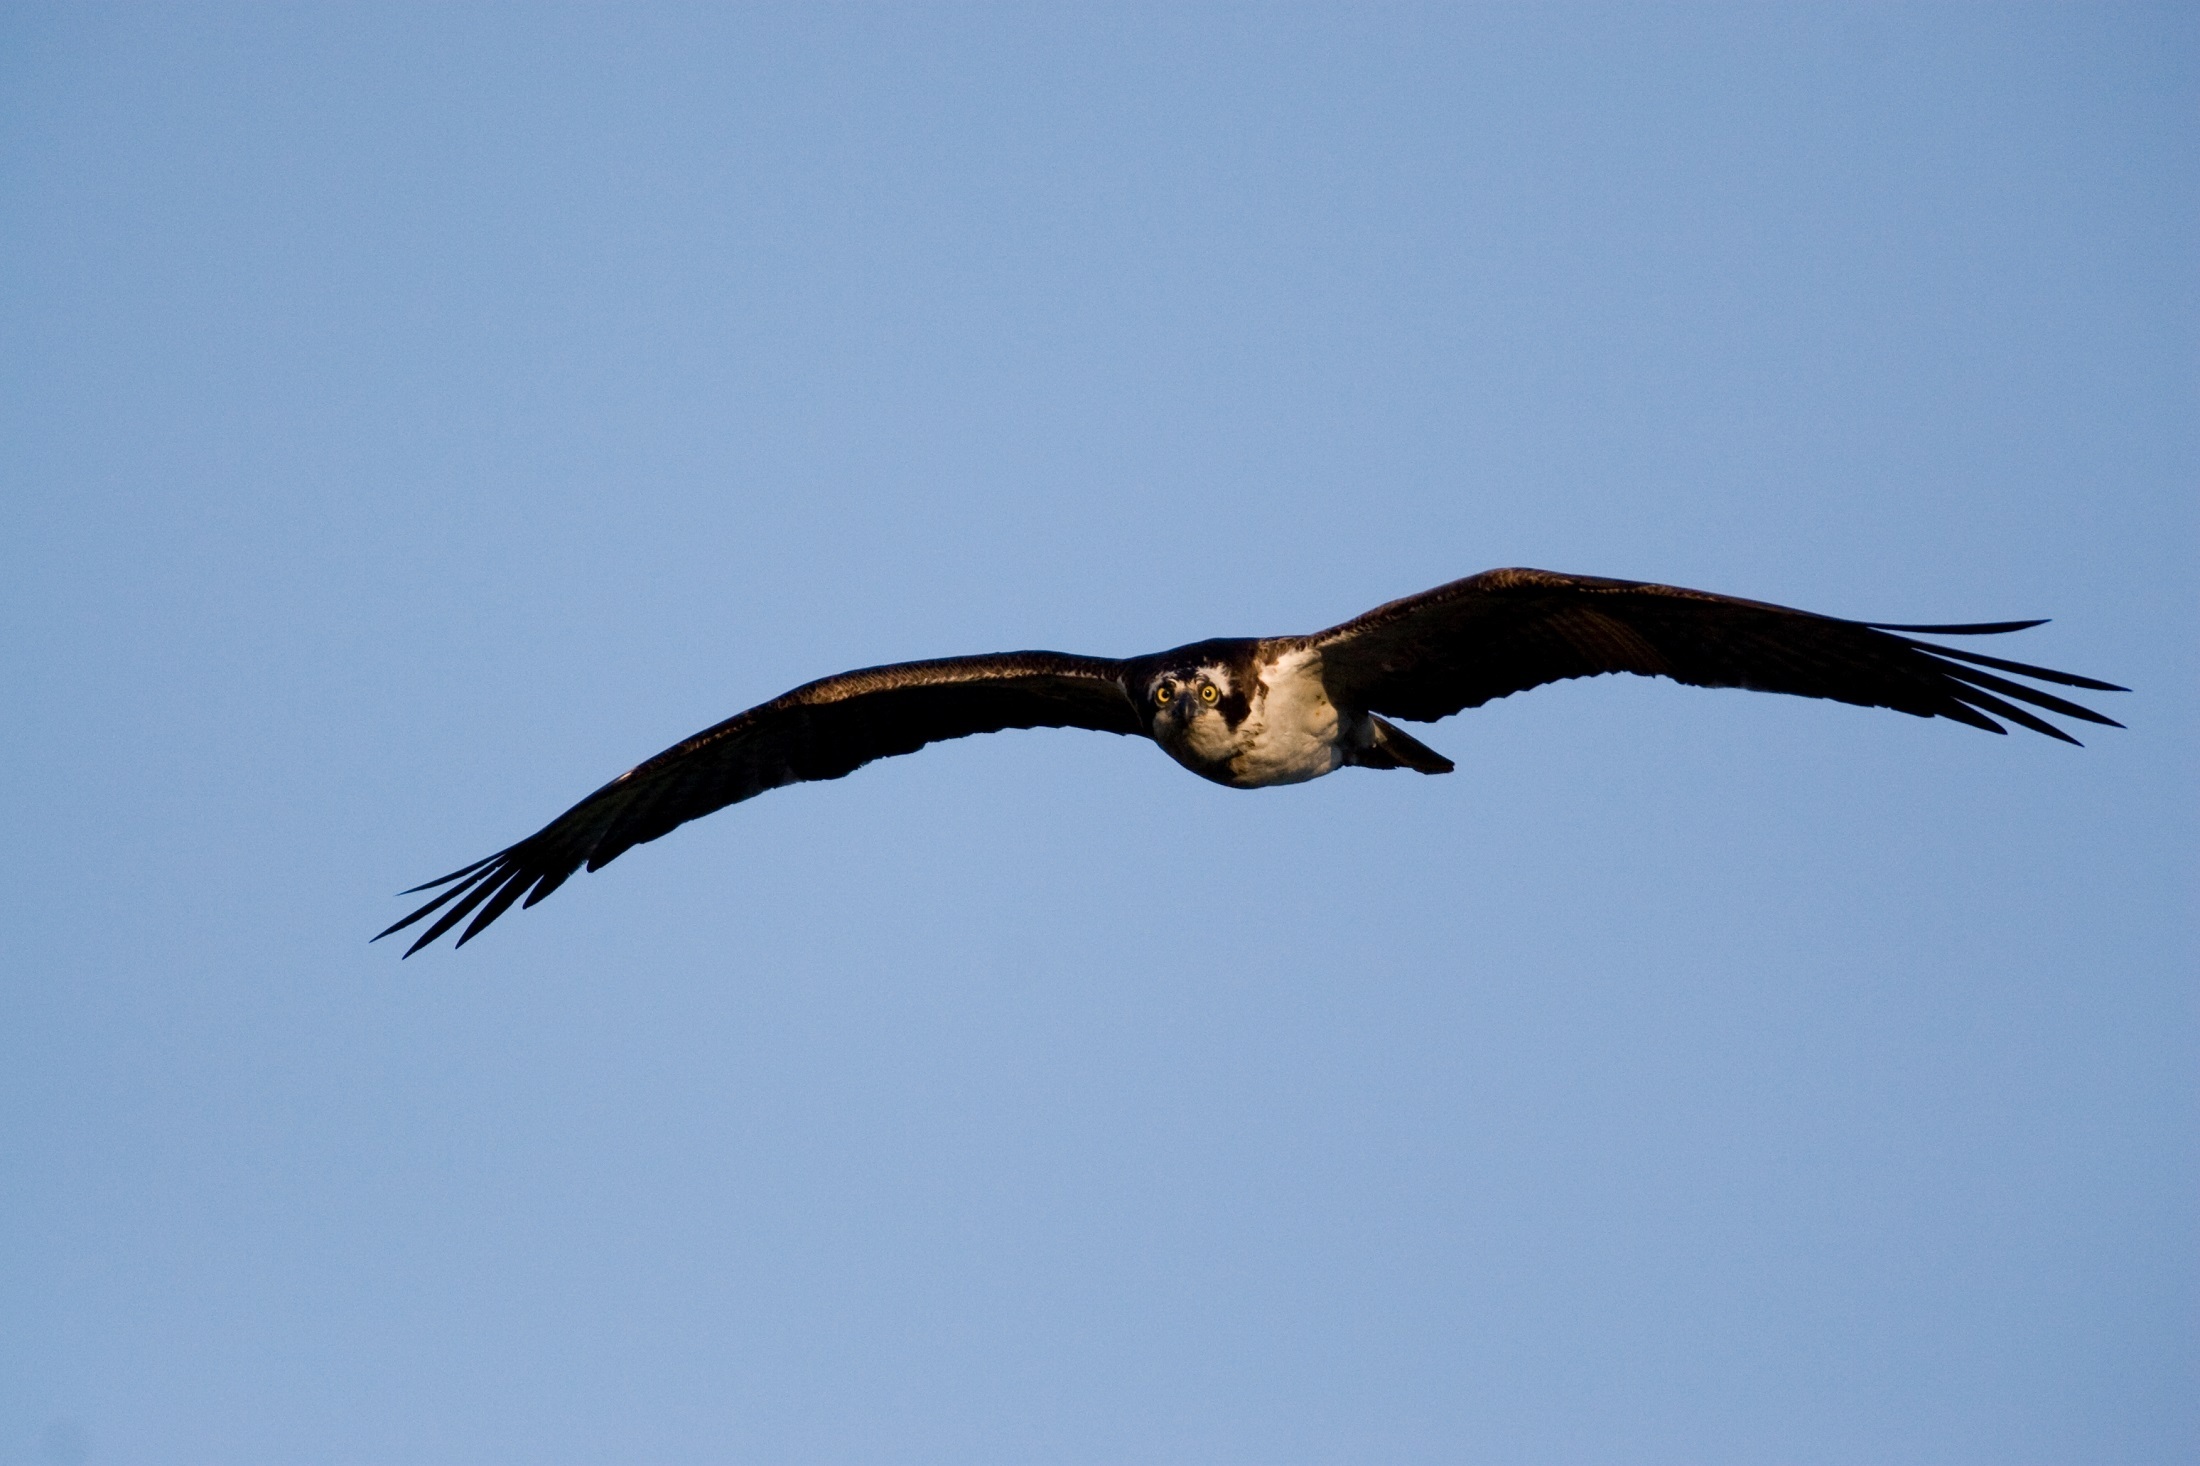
(1395, 749)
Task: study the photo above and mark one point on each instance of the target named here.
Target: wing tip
(1969, 628)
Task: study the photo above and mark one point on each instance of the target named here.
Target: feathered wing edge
(1531, 627)
(822, 730)
(1972, 693)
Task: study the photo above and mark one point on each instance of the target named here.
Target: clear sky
(416, 416)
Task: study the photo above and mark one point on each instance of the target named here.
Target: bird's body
(1292, 732)
(1248, 713)
(1269, 722)
(1272, 719)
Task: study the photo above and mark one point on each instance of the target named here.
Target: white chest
(1293, 732)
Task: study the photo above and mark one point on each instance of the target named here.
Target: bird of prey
(1250, 712)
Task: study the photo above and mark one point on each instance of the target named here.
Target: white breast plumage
(1293, 732)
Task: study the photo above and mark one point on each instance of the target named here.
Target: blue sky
(417, 415)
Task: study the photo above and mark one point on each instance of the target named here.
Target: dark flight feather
(822, 730)
(1491, 635)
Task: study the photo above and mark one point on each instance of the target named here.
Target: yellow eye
(1162, 694)
(1208, 693)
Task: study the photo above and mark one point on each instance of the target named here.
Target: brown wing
(822, 730)
(1504, 631)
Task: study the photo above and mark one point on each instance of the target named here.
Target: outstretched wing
(822, 730)
(1505, 631)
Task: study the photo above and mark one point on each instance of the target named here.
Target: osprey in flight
(1250, 712)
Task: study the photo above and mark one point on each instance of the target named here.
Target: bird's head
(1193, 705)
